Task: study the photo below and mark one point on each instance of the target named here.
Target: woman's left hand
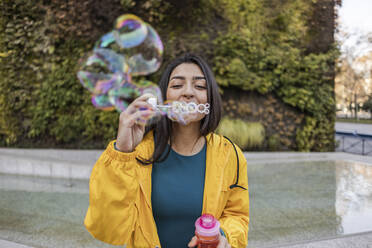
(222, 244)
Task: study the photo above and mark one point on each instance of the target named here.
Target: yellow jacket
(120, 209)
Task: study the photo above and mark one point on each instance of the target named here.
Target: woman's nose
(188, 92)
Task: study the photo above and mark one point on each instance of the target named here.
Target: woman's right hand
(132, 123)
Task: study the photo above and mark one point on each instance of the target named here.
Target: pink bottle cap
(207, 225)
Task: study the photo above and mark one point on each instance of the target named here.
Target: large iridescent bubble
(121, 96)
(132, 48)
(102, 70)
(137, 41)
(130, 31)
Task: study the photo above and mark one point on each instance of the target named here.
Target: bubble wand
(177, 110)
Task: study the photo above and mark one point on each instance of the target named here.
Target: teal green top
(177, 197)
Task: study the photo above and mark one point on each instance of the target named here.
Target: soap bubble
(115, 61)
(121, 96)
(146, 86)
(137, 41)
(146, 57)
(133, 48)
(130, 31)
(103, 70)
(102, 102)
(107, 41)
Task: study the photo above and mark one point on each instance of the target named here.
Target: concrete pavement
(8, 244)
(57, 163)
(362, 240)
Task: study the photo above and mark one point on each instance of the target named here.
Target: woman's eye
(176, 86)
(201, 87)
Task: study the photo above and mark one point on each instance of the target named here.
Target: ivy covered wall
(272, 59)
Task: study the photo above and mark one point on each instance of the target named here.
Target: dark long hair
(163, 127)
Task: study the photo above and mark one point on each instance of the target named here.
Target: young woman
(150, 185)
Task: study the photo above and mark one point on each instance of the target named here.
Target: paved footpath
(352, 127)
(8, 244)
(363, 240)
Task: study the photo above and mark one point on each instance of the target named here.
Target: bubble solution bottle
(207, 229)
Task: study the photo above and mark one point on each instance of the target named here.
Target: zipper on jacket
(235, 185)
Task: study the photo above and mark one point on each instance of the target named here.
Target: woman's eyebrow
(183, 78)
(198, 78)
(177, 77)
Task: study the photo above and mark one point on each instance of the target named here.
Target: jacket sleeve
(235, 216)
(113, 189)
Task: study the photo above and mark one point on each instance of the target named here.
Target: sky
(355, 16)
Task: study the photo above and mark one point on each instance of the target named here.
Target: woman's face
(187, 83)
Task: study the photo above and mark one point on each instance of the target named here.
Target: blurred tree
(367, 105)
(353, 79)
(350, 86)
